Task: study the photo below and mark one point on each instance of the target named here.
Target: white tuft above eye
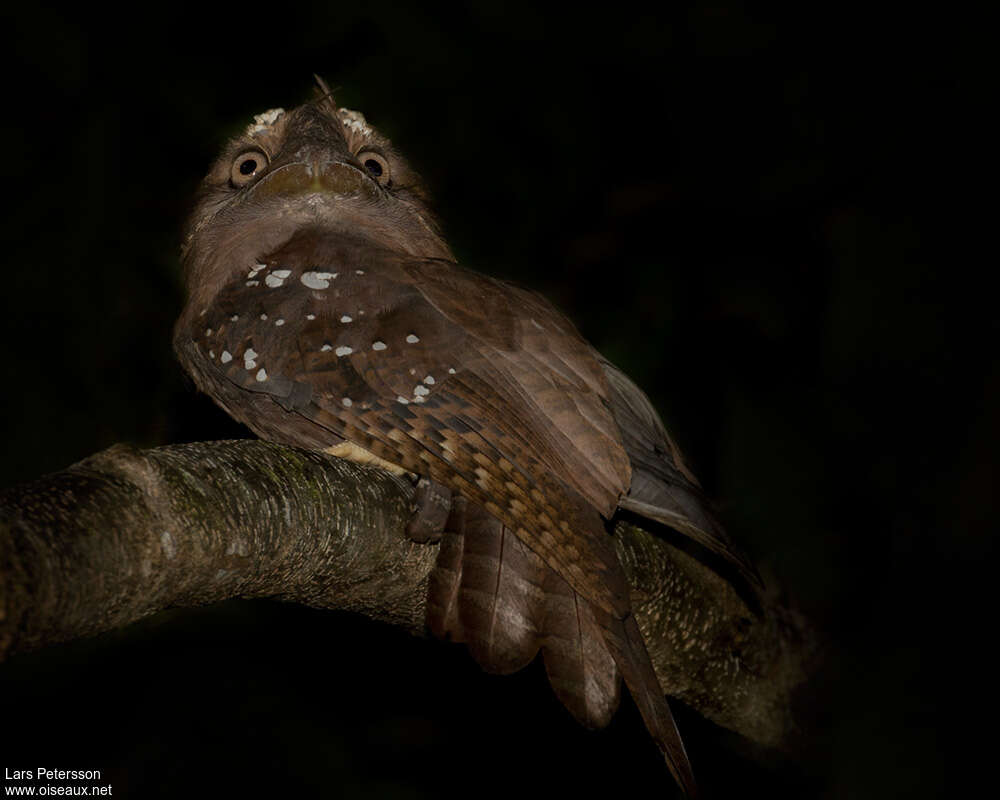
(376, 165)
(246, 166)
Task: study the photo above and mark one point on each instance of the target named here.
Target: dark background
(759, 215)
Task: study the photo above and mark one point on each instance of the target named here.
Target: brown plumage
(324, 307)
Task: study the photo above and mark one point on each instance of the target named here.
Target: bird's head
(317, 166)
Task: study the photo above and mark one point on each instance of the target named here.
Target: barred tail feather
(487, 591)
(581, 670)
(492, 592)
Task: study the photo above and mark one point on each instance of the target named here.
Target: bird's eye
(375, 165)
(246, 165)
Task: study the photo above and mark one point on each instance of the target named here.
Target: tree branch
(126, 533)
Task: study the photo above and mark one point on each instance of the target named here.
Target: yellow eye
(246, 165)
(376, 165)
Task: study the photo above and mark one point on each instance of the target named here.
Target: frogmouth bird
(325, 310)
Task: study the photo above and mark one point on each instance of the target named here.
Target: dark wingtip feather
(716, 542)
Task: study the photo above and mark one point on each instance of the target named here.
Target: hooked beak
(314, 177)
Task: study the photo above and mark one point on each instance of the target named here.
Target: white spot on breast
(317, 280)
(310, 316)
(253, 283)
(343, 350)
(248, 358)
(279, 322)
(378, 345)
(429, 380)
(347, 401)
(226, 357)
(419, 399)
(326, 348)
(261, 375)
(403, 400)
(273, 280)
(234, 318)
(451, 370)
(211, 354)
(359, 272)
(281, 273)
(421, 390)
(412, 338)
(263, 316)
(208, 331)
(346, 318)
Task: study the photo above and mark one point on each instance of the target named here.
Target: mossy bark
(127, 532)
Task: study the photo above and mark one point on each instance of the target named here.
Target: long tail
(492, 592)
(629, 652)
